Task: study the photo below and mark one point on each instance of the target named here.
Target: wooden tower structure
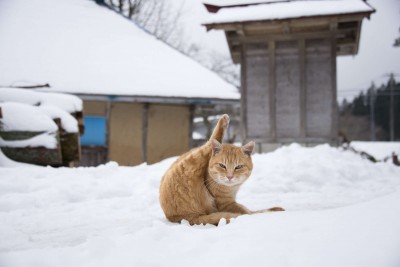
(287, 51)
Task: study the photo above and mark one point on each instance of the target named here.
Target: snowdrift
(342, 210)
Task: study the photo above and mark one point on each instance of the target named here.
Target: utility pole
(372, 111)
(391, 112)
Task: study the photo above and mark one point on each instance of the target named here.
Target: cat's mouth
(229, 182)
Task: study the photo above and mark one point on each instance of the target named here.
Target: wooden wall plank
(125, 136)
(303, 88)
(94, 108)
(288, 110)
(319, 88)
(257, 91)
(168, 127)
(272, 89)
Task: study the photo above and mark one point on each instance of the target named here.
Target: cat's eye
(239, 167)
(222, 166)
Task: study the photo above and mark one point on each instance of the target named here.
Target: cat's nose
(230, 177)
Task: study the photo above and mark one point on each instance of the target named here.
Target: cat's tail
(220, 128)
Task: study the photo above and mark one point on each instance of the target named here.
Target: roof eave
(158, 99)
(223, 25)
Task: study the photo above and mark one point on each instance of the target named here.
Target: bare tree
(397, 41)
(217, 62)
(128, 8)
(163, 20)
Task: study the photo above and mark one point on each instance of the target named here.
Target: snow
(79, 47)
(198, 136)
(288, 10)
(69, 103)
(341, 210)
(379, 150)
(68, 122)
(55, 105)
(222, 3)
(22, 117)
(47, 140)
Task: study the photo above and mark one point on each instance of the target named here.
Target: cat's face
(230, 165)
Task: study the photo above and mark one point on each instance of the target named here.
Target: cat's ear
(216, 146)
(248, 148)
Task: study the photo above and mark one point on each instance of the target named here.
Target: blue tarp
(95, 131)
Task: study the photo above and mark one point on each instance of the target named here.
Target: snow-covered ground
(341, 210)
(379, 150)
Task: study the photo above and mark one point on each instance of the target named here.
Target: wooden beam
(314, 19)
(108, 127)
(282, 37)
(243, 99)
(286, 27)
(357, 42)
(159, 100)
(272, 88)
(334, 115)
(333, 24)
(303, 88)
(145, 126)
(240, 30)
(191, 116)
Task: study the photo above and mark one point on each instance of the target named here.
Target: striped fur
(201, 185)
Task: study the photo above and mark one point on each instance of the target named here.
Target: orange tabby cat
(201, 185)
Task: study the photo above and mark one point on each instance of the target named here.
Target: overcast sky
(376, 58)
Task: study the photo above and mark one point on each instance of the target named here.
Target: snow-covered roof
(222, 3)
(79, 47)
(288, 10)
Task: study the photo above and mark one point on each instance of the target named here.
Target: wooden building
(138, 93)
(135, 129)
(287, 51)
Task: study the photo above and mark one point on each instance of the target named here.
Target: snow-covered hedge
(68, 103)
(38, 104)
(38, 127)
(17, 117)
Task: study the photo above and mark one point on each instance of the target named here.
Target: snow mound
(68, 122)
(341, 211)
(22, 117)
